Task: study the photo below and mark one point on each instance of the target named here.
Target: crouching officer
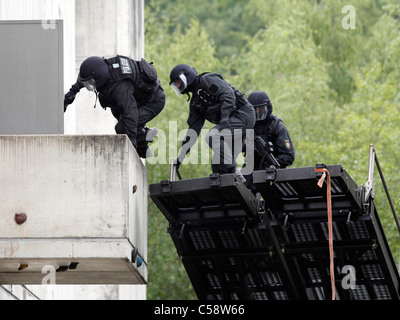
(215, 100)
(130, 88)
(272, 143)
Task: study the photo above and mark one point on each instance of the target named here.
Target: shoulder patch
(214, 88)
(125, 66)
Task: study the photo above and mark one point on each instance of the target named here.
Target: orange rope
(329, 205)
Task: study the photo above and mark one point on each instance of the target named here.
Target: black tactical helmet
(262, 104)
(93, 73)
(182, 77)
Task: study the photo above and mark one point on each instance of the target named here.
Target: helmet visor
(179, 84)
(261, 112)
(89, 84)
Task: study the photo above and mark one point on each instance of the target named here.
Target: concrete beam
(77, 195)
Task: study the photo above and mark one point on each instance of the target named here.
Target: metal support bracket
(215, 180)
(180, 235)
(174, 171)
(165, 186)
(369, 185)
(270, 174)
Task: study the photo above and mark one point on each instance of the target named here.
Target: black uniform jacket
(273, 130)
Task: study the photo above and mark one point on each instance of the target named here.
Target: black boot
(144, 151)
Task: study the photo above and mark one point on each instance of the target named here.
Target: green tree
(283, 60)
(373, 115)
(167, 277)
(222, 19)
(336, 90)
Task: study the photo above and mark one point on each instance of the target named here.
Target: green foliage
(222, 19)
(282, 61)
(336, 90)
(373, 116)
(167, 277)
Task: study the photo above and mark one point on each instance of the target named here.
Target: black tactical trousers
(146, 111)
(227, 143)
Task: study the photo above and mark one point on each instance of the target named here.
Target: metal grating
(233, 249)
(299, 224)
(206, 198)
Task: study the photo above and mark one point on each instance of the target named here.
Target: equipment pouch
(148, 76)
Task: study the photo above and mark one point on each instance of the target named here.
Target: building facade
(90, 28)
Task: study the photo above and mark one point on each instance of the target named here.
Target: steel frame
(233, 246)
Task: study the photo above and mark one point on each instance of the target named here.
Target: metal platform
(94, 271)
(213, 197)
(235, 248)
(216, 226)
(298, 217)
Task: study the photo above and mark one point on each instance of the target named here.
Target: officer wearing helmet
(271, 130)
(215, 100)
(130, 88)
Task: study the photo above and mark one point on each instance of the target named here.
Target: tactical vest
(210, 105)
(267, 130)
(141, 73)
(211, 100)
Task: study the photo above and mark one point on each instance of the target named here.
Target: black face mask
(261, 112)
(264, 114)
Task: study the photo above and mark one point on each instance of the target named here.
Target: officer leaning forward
(276, 147)
(215, 100)
(130, 88)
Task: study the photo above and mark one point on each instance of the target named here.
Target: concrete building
(97, 172)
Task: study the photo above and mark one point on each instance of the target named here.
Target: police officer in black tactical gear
(279, 150)
(215, 100)
(130, 88)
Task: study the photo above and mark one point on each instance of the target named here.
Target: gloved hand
(224, 124)
(68, 99)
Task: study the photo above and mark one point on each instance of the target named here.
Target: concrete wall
(85, 199)
(71, 186)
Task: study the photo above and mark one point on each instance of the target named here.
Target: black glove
(68, 99)
(224, 125)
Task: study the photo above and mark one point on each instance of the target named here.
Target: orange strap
(325, 173)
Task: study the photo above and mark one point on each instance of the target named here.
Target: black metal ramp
(235, 248)
(217, 226)
(298, 216)
(201, 199)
